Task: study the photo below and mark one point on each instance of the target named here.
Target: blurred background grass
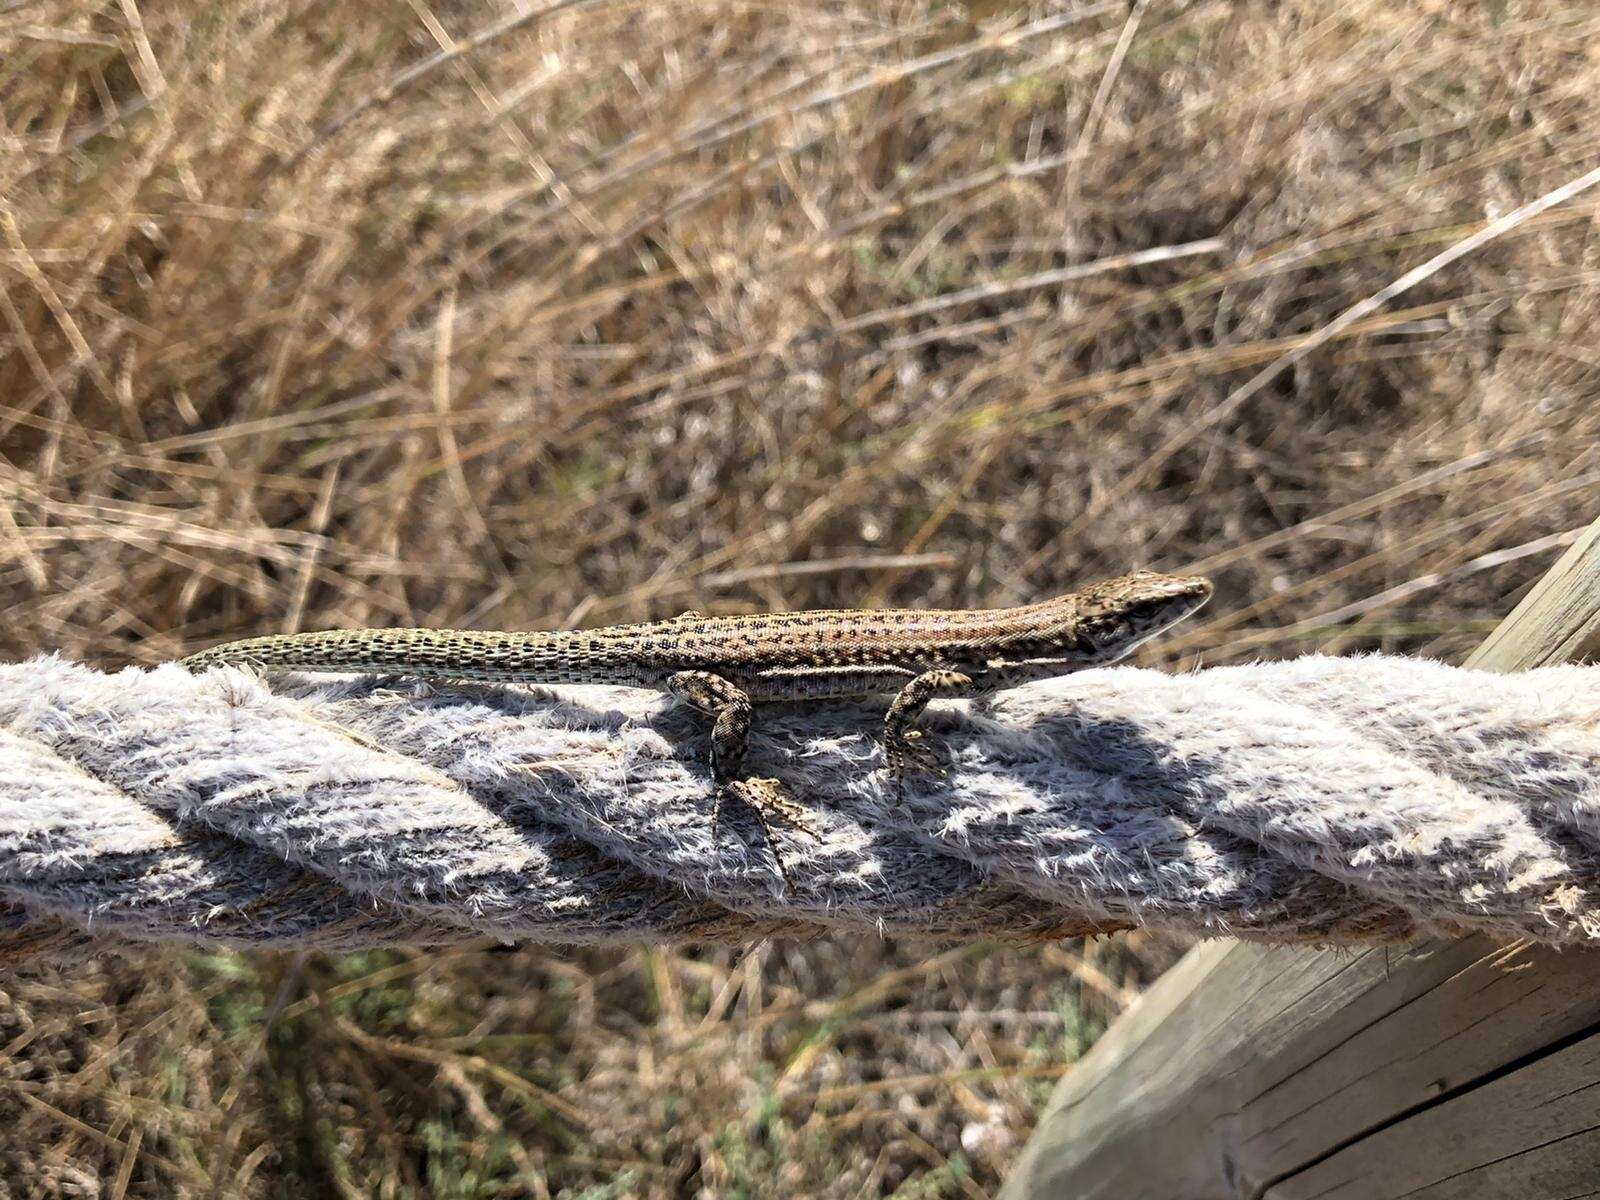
(445, 313)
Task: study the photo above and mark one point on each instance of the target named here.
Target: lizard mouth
(1183, 597)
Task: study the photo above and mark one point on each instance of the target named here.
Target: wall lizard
(720, 665)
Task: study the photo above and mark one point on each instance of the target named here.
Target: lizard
(722, 665)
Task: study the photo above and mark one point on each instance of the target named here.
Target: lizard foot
(910, 754)
(766, 798)
(905, 746)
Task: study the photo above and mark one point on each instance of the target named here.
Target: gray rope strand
(1327, 800)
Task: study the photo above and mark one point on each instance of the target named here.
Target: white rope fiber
(1327, 800)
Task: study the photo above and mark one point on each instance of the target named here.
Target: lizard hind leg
(905, 745)
(725, 701)
(728, 704)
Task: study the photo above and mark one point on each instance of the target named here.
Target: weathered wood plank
(1540, 1120)
(1415, 1050)
(1556, 621)
(1291, 1074)
(1254, 1061)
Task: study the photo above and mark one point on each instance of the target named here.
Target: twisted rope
(1330, 800)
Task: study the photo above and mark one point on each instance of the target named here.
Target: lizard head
(1116, 617)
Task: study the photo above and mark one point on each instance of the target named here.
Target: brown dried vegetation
(317, 315)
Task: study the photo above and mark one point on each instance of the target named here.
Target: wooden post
(1442, 1069)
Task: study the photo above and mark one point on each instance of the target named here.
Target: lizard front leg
(903, 742)
(724, 700)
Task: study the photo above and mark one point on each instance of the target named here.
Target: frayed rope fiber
(1325, 800)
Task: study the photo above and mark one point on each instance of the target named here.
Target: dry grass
(310, 317)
